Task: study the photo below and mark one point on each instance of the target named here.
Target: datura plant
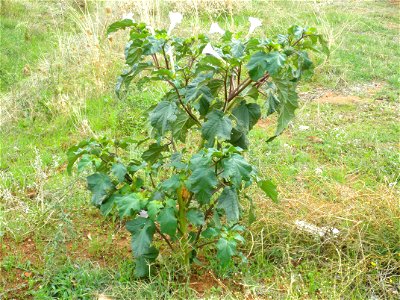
(183, 192)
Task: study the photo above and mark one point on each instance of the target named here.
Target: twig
(183, 105)
(165, 238)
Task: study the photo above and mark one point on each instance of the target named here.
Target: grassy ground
(337, 165)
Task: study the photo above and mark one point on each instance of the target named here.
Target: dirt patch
(264, 123)
(202, 283)
(14, 274)
(332, 98)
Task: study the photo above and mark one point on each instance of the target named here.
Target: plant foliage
(187, 191)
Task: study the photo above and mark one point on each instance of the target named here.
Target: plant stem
(183, 105)
(183, 226)
(165, 238)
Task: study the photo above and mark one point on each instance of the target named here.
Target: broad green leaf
(171, 184)
(119, 171)
(210, 232)
(181, 126)
(239, 138)
(142, 263)
(261, 63)
(246, 115)
(142, 230)
(324, 45)
(163, 115)
(272, 103)
(101, 186)
(236, 169)
(168, 221)
(127, 76)
(129, 205)
(153, 208)
(202, 183)
(75, 152)
(195, 217)
(120, 25)
(269, 188)
(84, 162)
(225, 250)
(252, 214)
(296, 31)
(237, 49)
(154, 152)
(228, 201)
(218, 126)
(287, 96)
(107, 205)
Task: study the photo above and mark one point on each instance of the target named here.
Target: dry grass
(83, 64)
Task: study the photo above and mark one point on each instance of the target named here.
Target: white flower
(208, 49)
(216, 29)
(303, 127)
(175, 19)
(143, 214)
(129, 16)
(254, 23)
(171, 58)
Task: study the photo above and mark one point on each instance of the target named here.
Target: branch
(183, 105)
(225, 90)
(206, 215)
(298, 41)
(239, 89)
(165, 58)
(165, 238)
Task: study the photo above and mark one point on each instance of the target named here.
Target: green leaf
(246, 115)
(237, 49)
(181, 126)
(218, 126)
(272, 103)
(129, 205)
(119, 171)
(236, 169)
(101, 186)
(262, 62)
(168, 221)
(225, 250)
(239, 138)
(127, 76)
(119, 25)
(228, 201)
(153, 208)
(142, 263)
(269, 188)
(287, 96)
(252, 214)
(107, 205)
(195, 217)
(203, 180)
(84, 162)
(75, 152)
(210, 232)
(324, 45)
(172, 183)
(163, 115)
(154, 152)
(142, 230)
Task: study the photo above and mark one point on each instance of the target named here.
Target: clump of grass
(342, 172)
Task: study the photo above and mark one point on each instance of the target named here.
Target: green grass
(342, 171)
